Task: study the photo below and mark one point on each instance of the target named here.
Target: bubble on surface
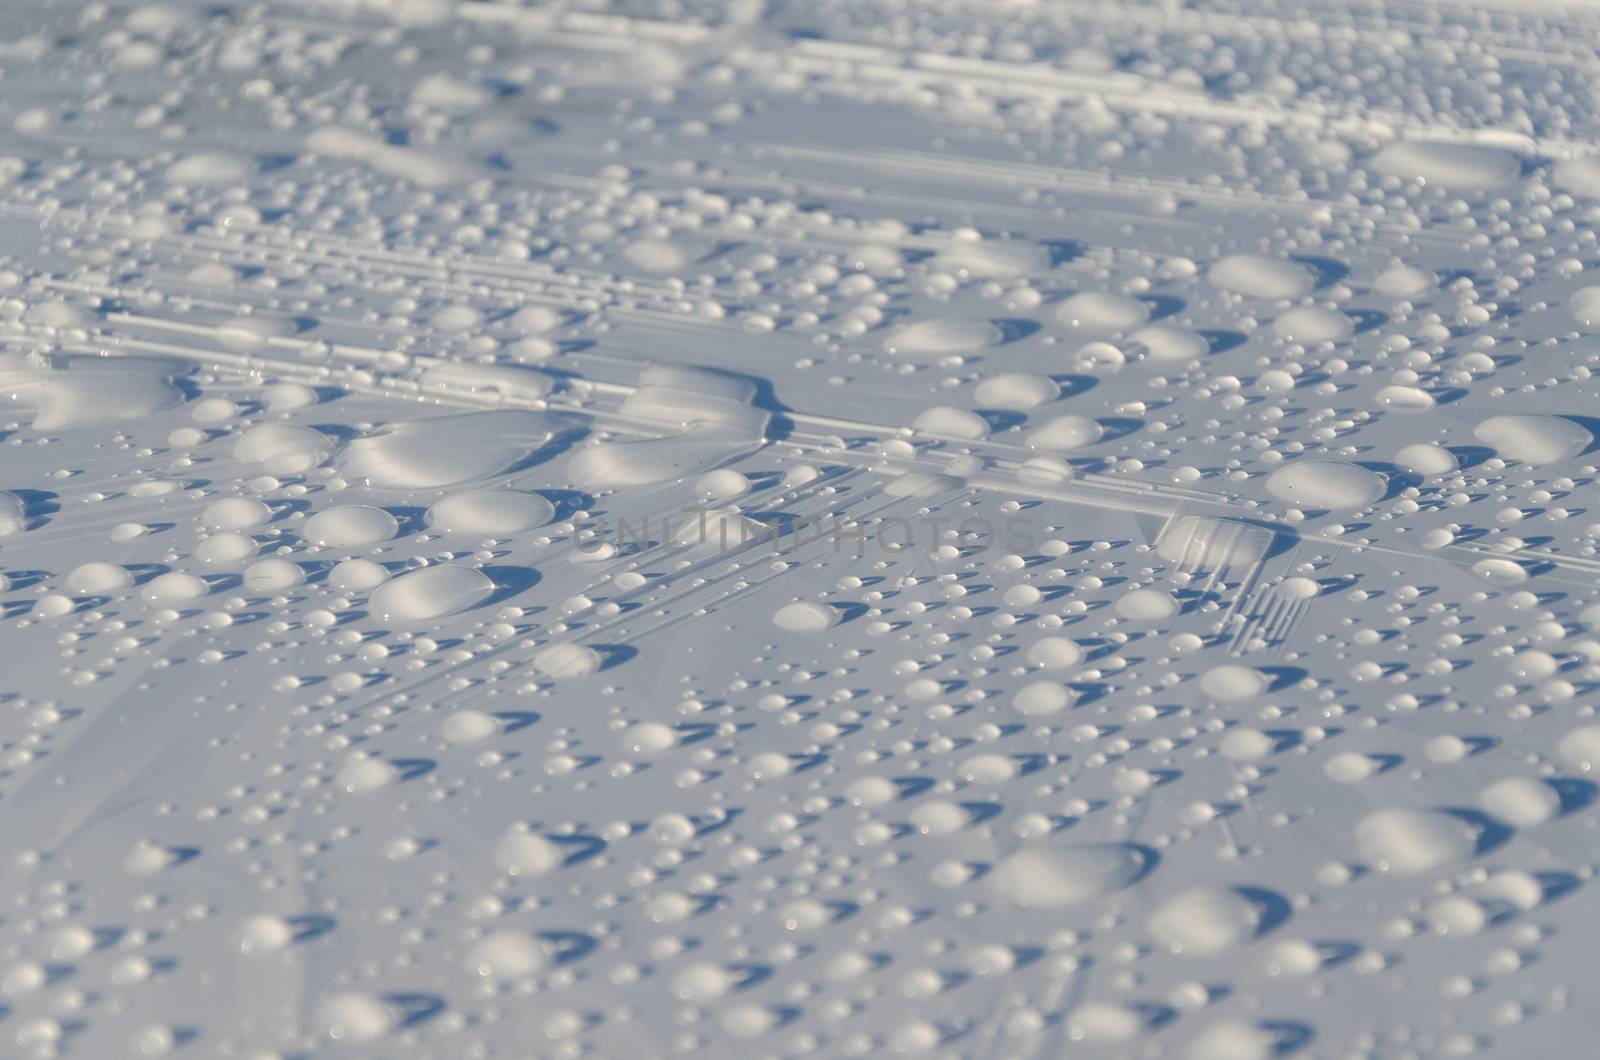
(350, 526)
(173, 587)
(1521, 802)
(1165, 345)
(1585, 306)
(991, 259)
(650, 738)
(226, 550)
(1069, 874)
(282, 448)
(1428, 459)
(1581, 176)
(248, 334)
(273, 575)
(565, 662)
(1463, 167)
(1580, 748)
(1045, 470)
(1055, 653)
(1101, 312)
(469, 726)
(355, 1018)
(1404, 399)
(1063, 434)
(1351, 767)
(716, 421)
(430, 593)
(1501, 572)
(511, 384)
(68, 392)
(236, 513)
(288, 397)
(1104, 1023)
(1246, 745)
(701, 983)
(1326, 484)
(1404, 281)
(357, 575)
(210, 167)
(1233, 1040)
(951, 423)
(1533, 438)
(1261, 277)
(1232, 682)
(1042, 698)
(669, 459)
(505, 956)
(725, 484)
(1204, 542)
(96, 577)
(1310, 325)
(942, 337)
(523, 853)
(1410, 842)
(1146, 605)
(428, 169)
(489, 513)
(363, 773)
(805, 616)
(1205, 921)
(658, 255)
(1297, 589)
(1016, 390)
(263, 934)
(13, 514)
(445, 450)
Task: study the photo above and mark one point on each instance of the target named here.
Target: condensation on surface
(842, 528)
